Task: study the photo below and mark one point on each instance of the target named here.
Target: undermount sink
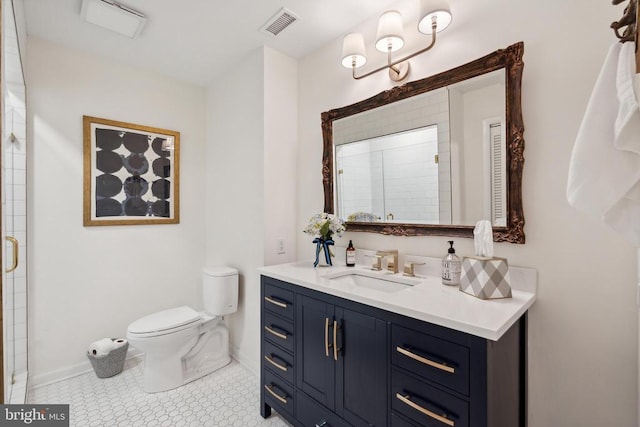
(371, 280)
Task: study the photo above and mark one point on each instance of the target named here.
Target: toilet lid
(165, 320)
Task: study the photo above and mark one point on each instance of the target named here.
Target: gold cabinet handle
(14, 243)
(274, 302)
(276, 364)
(326, 336)
(426, 361)
(442, 418)
(269, 388)
(278, 334)
(335, 340)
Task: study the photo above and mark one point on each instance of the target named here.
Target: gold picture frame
(131, 174)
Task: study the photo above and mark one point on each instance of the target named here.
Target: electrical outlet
(280, 246)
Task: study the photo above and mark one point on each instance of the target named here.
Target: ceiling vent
(278, 22)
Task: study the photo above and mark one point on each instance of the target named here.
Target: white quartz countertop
(428, 300)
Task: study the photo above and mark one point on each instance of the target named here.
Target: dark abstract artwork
(131, 173)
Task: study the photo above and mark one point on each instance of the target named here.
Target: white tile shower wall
(360, 189)
(420, 111)
(14, 216)
(410, 201)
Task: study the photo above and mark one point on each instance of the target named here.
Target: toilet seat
(165, 322)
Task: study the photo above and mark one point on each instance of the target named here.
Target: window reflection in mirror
(394, 177)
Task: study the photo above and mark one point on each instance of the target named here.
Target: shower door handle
(14, 244)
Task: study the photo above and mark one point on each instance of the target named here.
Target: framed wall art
(131, 174)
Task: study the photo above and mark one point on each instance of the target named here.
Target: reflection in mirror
(478, 151)
(432, 156)
(391, 177)
(388, 163)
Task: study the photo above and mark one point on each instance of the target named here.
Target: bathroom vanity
(342, 347)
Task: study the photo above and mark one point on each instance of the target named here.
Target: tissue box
(485, 278)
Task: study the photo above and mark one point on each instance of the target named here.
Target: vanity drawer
(433, 358)
(278, 300)
(277, 393)
(278, 331)
(398, 421)
(311, 414)
(426, 405)
(278, 360)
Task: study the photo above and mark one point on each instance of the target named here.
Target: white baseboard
(245, 360)
(41, 380)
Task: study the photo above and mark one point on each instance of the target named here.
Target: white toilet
(181, 344)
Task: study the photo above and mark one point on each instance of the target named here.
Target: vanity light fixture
(435, 17)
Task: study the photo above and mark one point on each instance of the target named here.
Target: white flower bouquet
(324, 226)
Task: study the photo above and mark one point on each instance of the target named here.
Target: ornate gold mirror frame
(511, 60)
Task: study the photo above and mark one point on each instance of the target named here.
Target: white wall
(280, 154)
(86, 283)
(235, 199)
(250, 178)
(583, 329)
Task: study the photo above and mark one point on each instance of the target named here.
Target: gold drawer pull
(335, 340)
(276, 364)
(442, 418)
(274, 302)
(426, 361)
(274, 394)
(326, 336)
(278, 334)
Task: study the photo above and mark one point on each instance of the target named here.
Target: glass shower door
(14, 214)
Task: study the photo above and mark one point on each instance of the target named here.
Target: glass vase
(323, 252)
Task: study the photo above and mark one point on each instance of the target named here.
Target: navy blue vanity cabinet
(342, 359)
(277, 347)
(316, 373)
(442, 377)
(333, 362)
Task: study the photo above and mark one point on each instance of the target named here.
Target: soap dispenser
(451, 267)
(351, 255)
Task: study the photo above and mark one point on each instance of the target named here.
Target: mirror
(434, 156)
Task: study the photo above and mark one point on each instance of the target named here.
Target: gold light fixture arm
(392, 65)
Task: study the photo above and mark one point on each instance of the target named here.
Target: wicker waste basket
(112, 363)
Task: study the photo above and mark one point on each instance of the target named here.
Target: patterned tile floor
(228, 397)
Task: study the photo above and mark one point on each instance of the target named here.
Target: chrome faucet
(392, 262)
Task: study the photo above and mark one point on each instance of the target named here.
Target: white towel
(604, 172)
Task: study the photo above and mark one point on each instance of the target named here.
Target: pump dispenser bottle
(451, 267)
(351, 255)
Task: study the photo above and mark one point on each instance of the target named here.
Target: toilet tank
(220, 290)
